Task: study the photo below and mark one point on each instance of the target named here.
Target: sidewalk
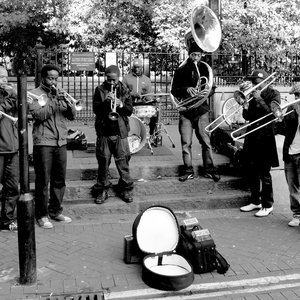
(84, 259)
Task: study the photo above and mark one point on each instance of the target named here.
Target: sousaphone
(206, 33)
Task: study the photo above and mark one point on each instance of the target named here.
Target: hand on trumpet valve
(110, 97)
(119, 102)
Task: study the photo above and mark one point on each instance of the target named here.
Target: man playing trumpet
(112, 105)
(259, 150)
(50, 113)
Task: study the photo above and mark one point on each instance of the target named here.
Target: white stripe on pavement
(194, 289)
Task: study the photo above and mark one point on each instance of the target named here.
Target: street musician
(9, 159)
(185, 83)
(50, 113)
(259, 150)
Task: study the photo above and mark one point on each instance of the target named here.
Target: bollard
(25, 206)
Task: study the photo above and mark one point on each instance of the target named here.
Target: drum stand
(156, 137)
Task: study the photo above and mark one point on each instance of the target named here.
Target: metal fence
(228, 68)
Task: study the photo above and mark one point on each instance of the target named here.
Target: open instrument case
(156, 231)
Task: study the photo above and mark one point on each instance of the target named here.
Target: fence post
(40, 49)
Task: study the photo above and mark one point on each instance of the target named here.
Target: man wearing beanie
(112, 106)
(185, 84)
(139, 84)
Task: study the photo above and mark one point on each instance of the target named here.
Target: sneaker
(263, 212)
(213, 175)
(250, 207)
(294, 222)
(62, 219)
(126, 196)
(186, 177)
(45, 223)
(10, 227)
(102, 197)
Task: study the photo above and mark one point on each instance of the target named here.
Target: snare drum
(145, 111)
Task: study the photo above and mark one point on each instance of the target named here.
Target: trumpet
(278, 116)
(72, 101)
(42, 99)
(113, 115)
(13, 119)
(240, 98)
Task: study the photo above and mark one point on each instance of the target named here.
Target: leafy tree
(21, 23)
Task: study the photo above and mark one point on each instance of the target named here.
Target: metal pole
(25, 207)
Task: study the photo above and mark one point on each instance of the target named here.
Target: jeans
(50, 164)
(106, 147)
(9, 178)
(260, 182)
(186, 127)
(292, 175)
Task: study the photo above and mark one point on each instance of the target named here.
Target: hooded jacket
(102, 108)
(8, 130)
(49, 118)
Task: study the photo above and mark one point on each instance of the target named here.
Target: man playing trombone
(259, 150)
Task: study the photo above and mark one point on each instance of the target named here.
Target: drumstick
(157, 95)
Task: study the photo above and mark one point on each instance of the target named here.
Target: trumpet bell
(205, 29)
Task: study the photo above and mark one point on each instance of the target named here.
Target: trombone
(72, 101)
(277, 118)
(42, 99)
(240, 97)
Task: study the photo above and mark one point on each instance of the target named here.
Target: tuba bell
(206, 33)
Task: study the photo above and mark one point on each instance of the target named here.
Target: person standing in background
(139, 84)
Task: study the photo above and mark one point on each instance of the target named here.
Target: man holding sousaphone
(259, 150)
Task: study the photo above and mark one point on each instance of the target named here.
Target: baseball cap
(295, 89)
(258, 73)
(194, 48)
(137, 62)
(112, 69)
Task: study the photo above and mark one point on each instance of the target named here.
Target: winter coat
(102, 107)
(260, 145)
(187, 76)
(8, 130)
(49, 119)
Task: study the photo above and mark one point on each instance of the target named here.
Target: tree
(21, 23)
(267, 28)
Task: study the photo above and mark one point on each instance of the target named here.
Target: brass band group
(115, 101)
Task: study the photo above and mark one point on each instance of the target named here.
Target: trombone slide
(284, 106)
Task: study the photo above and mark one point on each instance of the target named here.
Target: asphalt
(85, 259)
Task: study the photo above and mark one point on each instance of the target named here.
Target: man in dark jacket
(259, 150)
(50, 110)
(9, 159)
(187, 83)
(112, 106)
(291, 154)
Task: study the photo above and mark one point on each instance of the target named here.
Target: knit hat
(137, 62)
(295, 89)
(112, 69)
(194, 48)
(258, 73)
